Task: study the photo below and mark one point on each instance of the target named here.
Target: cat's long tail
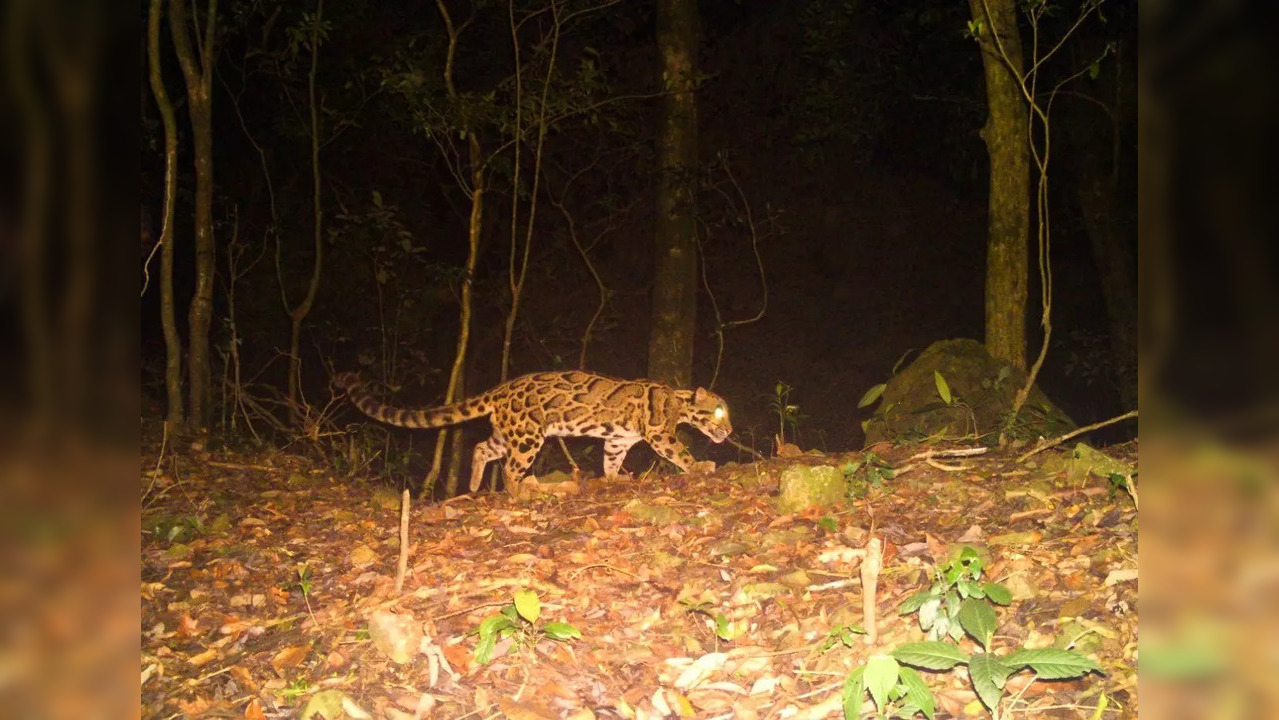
(409, 417)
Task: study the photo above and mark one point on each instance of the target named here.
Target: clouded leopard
(527, 410)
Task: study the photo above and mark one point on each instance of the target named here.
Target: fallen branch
(1045, 444)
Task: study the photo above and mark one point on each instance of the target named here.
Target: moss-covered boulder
(981, 389)
(802, 487)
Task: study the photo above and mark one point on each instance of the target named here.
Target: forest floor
(263, 578)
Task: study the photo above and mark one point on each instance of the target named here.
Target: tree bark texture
(1007, 139)
(198, 73)
(168, 317)
(298, 314)
(670, 347)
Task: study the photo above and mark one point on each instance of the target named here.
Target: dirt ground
(260, 577)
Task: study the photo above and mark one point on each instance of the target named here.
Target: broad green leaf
(528, 605)
(1102, 703)
(914, 602)
(917, 692)
(997, 593)
(491, 625)
(561, 631)
(930, 655)
(978, 619)
(943, 389)
(1052, 663)
(484, 649)
(881, 676)
(872, 395)
(988, 674)
(928, 613)
(899, 362)
(854, 691)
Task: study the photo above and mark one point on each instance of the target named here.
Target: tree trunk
(198, 72)
(1007, 138)
(299, 313)
(464, 320)
(168, 319)
(474, 227)
(670, 345)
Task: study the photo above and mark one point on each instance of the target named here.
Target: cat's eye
(719, 413)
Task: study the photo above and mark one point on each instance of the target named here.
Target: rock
(803, 487)
(395, 635)
(981, 392)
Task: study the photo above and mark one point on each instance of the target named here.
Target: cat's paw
(703, 466)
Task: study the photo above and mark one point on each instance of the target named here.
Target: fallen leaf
(245, 678)
(188, 627)
(459, 657)
(195, 706)
(253, 711)
(289, 657)
(701, 668)
(203, 658)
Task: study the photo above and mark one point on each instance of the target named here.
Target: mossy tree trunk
(1006, 135)
(670, 346)
(197, 69)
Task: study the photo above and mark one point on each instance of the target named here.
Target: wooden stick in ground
(1073, 433)
(871, 565)
(403, 565)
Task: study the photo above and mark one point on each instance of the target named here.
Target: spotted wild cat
(527, 410)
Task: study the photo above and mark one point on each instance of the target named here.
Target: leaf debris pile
(267, 590)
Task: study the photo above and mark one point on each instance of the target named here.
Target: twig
(945, 468)
(744, 448)
(950, 452)
(1045, 444)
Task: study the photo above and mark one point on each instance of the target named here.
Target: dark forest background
(850, 129)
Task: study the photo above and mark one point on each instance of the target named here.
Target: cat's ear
(700, 395)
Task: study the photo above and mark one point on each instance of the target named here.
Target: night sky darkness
(851, 129)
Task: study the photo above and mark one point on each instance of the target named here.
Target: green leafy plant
(842, 635)
(871, 395)
(519, 620)
(943, 388)
(786, 412)
(299, 687)
(177, 528)
(956, 582)
(725, 629)
(952, 400)
(304, 584)
(958, 603)
(870, 470)
(896, 690)
(1120, 482)
(989, 673)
